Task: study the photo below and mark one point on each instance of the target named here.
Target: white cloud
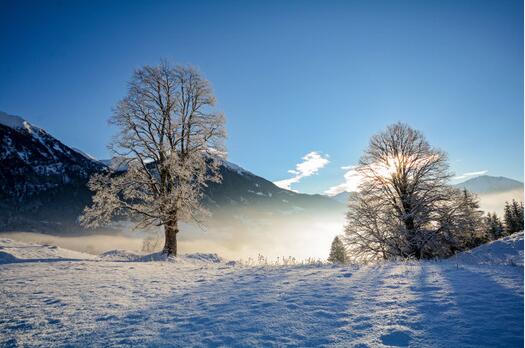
(311, 164)
(351, 183)
(470, 174)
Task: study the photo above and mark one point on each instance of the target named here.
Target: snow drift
(504, 251)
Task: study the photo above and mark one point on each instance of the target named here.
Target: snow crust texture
(205, 302)
(507, 250)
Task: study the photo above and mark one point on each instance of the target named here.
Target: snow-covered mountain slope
(204, 303)
(43, 184)
(42, 181)
(505, 251)
(490, 184)
(32, 161)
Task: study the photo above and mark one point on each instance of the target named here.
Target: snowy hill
(15, 251)
(504, 251)
(57, 298)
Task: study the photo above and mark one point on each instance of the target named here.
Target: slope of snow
(14, 251)
(234, 167)
(11, 120)
(504, 251)
(184, 304)
(17, 122)
(118, 255)
(87, 155)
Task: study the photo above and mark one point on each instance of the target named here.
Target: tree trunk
(416, 248)
(170, 244)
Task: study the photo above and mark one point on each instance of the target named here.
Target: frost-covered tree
(513, 216)
(517, 211)
(337, 251)
(460, 224)
(404, 207)
(494, 226)
(169, 136)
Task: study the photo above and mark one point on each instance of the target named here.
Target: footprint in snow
(106, 318)
(396, 339)
(51, 301)
(53, 321)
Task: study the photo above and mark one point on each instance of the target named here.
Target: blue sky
(293, 77)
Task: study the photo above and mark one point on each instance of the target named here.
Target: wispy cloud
(470, 174)
(351, 183)
(312, 162)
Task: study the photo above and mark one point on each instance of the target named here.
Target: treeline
(512, 221)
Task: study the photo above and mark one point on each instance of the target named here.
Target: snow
(87, 155)
(26, 252)
(235, 168)
(201, 300)
(11, 121)
(17, 122)
(507, 250)
(118, 255)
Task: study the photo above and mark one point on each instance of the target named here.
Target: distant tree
(494, 226)
(337, 252)
(471, 232)
(513, 216)
(169, 137)
(517, 212)
(405, 207)
(460, 224)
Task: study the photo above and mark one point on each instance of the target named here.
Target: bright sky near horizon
(304, 84)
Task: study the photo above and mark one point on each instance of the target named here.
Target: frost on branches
(171, 139)
(405, 207)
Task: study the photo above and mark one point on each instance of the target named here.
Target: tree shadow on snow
(460, 307)
(247, 307)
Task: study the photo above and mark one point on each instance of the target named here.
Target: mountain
(342, 197)
(42, 181)
(490, 184)
(240, 187)
(43, 184)
(34, 161)
(493, 191)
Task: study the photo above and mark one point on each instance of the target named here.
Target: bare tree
(403, 198)
(170, 138)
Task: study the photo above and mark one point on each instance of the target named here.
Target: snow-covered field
(56, 297)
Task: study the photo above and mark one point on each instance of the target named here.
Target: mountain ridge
(490, 184)
(43, 183)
